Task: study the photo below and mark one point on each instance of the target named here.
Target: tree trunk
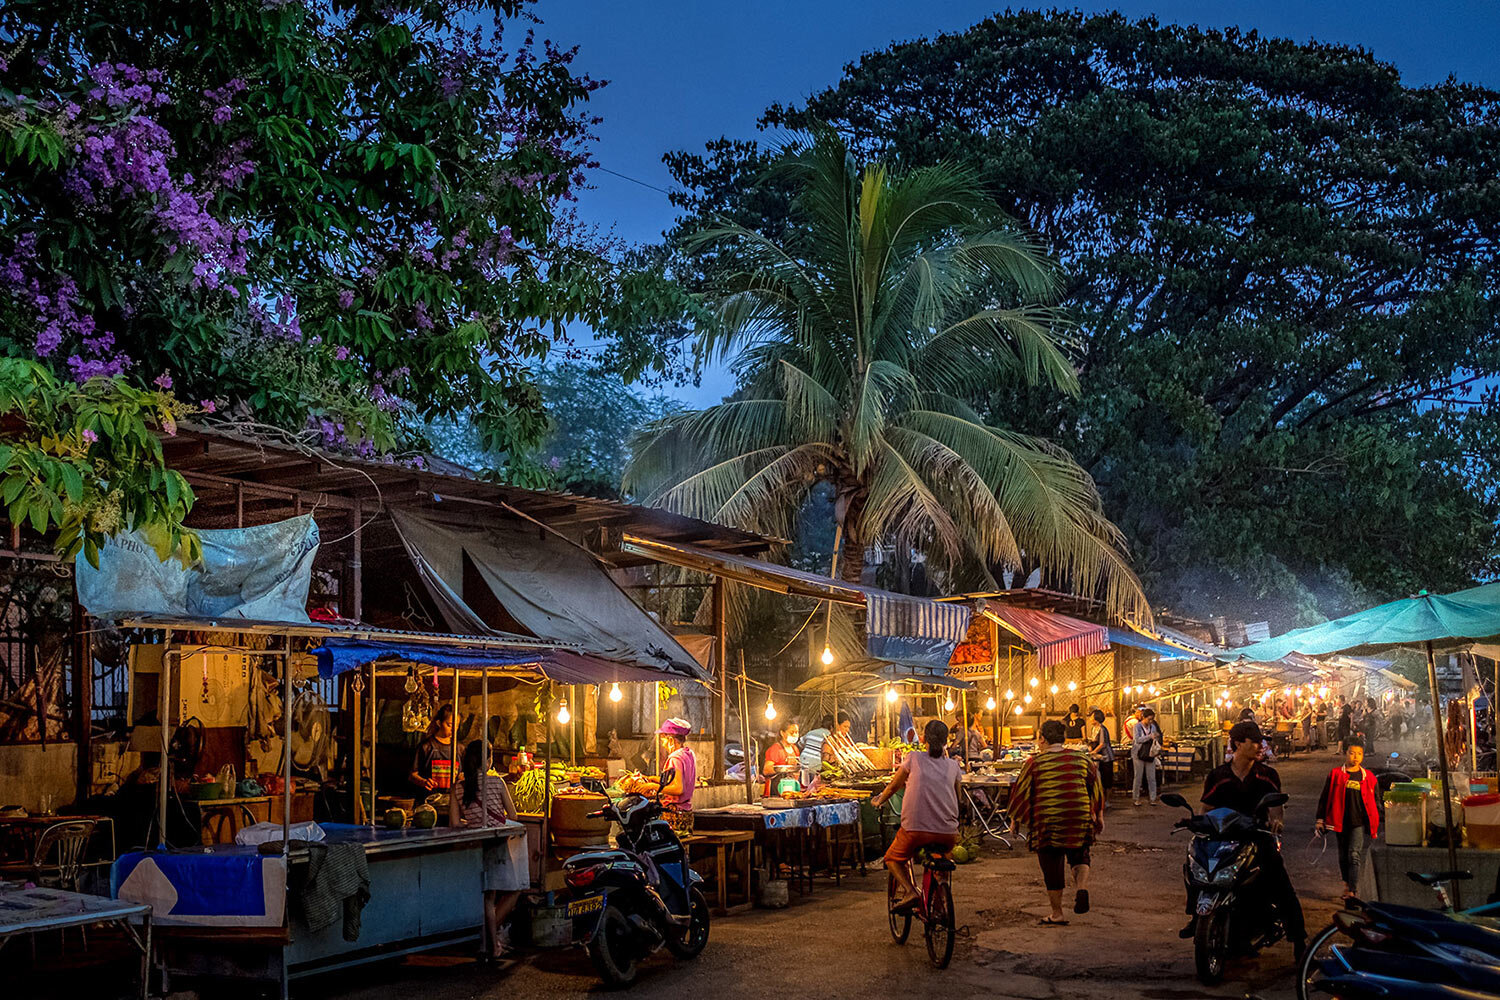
(848, 511)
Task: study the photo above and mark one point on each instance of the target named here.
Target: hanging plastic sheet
(914, 630)
(262, 573)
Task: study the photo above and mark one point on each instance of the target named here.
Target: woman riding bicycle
(929, 810)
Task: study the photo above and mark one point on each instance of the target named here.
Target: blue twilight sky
(683, 72)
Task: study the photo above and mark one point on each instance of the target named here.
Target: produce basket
(881, 758)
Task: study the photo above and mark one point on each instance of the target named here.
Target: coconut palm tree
(857, 343)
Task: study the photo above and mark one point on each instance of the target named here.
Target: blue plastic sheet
(260, 573)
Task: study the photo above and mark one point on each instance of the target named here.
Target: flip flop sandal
(1049, 922)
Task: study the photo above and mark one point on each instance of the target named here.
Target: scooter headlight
(1228, 872)
(1197, 871)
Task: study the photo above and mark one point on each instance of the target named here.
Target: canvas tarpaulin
(340, 655)
(262, 572)
(552, 588)
(913, 630)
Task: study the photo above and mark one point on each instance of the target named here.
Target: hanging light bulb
(1027, 699)
(989, 703)
(1286, 690)
(827, 655)
(1153, 690)
(890, 694)
(948, 705)
(1322, 692)
(1072, 685)
(1017, 710)
(615, 694)
(1228, 703)
(1035, 682)
(1010, 695)
(563, 714)
(770, 708)
(1054, 689)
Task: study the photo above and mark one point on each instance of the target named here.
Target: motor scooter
(1222, 871)
(627, 903)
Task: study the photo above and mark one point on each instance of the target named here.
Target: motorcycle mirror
(1271, 801)
(1173, 799)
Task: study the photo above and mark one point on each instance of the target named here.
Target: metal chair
(57, 862)
(58, 857)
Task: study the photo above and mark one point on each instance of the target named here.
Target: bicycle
(1320, 949)
(934, 908)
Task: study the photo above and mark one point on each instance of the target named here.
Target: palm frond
(1024, 341)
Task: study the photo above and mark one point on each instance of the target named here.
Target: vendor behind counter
(432, 767)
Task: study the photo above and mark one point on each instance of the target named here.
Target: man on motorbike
(1240, 785)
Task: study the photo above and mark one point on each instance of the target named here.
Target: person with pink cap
(677, 794)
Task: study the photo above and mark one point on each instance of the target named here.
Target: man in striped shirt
(1059, 798)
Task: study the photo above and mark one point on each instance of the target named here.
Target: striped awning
(1056, 638)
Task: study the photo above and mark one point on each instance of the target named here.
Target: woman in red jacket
(1350, 807)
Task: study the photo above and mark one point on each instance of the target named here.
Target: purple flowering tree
(345, 219)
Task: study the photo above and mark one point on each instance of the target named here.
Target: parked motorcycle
(1223, 865)
(1375, 946)
(627, 903)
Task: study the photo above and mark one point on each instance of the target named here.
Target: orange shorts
(908, 842)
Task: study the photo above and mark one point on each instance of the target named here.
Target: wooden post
(357, 763)
(995, 682)
(656, 721)
(453, 744)
(374, 741)
(547, 783)
(721, 655)
(751, 764)
(1437, 720)
(484, 746)
(83, 701)
(286, 751)
(164, 780)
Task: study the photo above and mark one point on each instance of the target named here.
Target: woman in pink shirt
(929, 810)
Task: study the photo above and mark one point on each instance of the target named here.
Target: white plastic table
(27, 911)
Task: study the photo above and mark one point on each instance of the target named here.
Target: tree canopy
(891, 297)
(341, 217)
(1283, 264)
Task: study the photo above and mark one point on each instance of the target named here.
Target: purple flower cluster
(53, 300)
(125, 160)
(220, 99)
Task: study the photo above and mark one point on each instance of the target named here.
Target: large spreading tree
(1283, 263)
(342, 218)
(857, 336)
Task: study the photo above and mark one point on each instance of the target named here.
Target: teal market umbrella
(1431, 621)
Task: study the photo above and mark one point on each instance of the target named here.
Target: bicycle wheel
(939, 929)
(900, 922)
(1319, 949)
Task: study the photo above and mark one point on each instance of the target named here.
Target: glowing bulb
(615, 693)
(948, 705)
(1286, 690)
(1228, 704)
(563, 715)
(989, 703)
(1153, 691)
(1218, 701)
(1010, 695)
(1072, 685)
(890, 694)
(827, 656)
(1322, 692)
(1017, 710)
(1054, 689)
(1027, 699)
(1035, 682)
(770, 708)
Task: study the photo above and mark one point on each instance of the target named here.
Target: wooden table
(24, 830)
(726, 845)
(220, 818)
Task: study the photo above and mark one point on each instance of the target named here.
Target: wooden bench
(731, 851)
